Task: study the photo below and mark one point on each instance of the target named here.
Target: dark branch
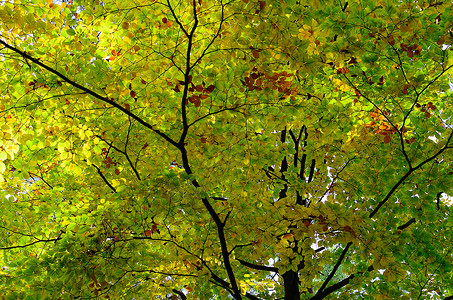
(338, 285)
(105, 179)
(407, 224)
(409, 172)
(30, 244)
(180, 294)
(258, 267)
(89, 92)
(335, 268)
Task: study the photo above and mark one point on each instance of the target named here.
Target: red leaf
(199, 88)
(210, 88)
(197, 102)
(117, 172)
(343, 70)
(255, 54)
(405, 91)
(195, 99)
(164, 20)
(148, 233)
(143, 81)
(203, 140)
(127, 107)
(391, 40)
(387, 139)
(133, 94)
(288, 235)
(262, 5)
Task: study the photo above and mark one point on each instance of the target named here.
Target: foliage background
(310, 141)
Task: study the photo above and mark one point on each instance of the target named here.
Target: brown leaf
(210, 88)
(343, 70)
(405, 91)
(288, 235)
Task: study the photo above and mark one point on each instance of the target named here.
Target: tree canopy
(199, 149)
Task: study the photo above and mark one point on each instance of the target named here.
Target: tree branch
(407, 224)
(180, 294)
(409, 172)
(335, 268)
(257, 267)
(29, 244)
(89, 92)
(105, 179)
(337, 285)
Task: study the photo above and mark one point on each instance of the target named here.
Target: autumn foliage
(201, 149)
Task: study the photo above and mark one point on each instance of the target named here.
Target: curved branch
(180, 294)
(30, 244)
(133, 167)
(184, 156)
(89, 92)
(334, 270)
(257, 267)
(105, 179)
(409, 172)
(407, 224)
(338, 285)
(222, 18)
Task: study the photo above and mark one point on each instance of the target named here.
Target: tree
(217, 149)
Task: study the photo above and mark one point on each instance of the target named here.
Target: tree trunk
(291, 284)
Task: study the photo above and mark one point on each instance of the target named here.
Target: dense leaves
(211, 149)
